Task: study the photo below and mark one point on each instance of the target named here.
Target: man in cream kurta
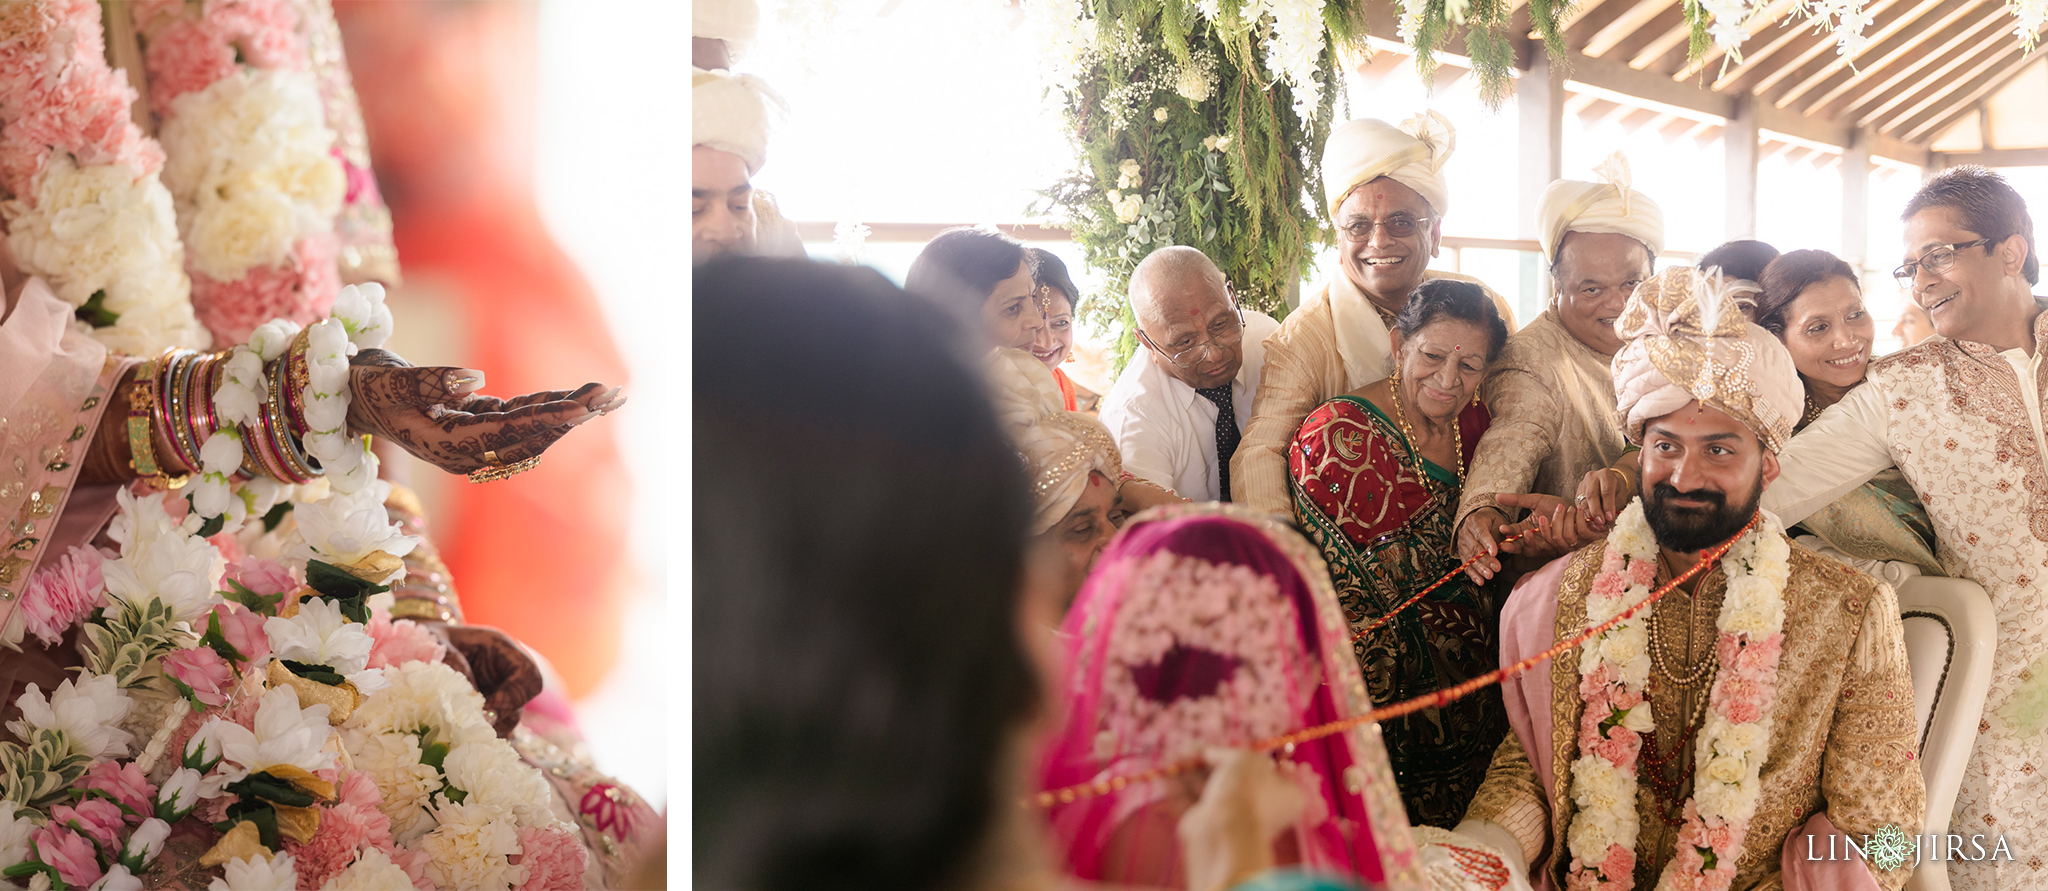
(1551, 392)
(1960, 415)
(1381, 178)
(1836, 748)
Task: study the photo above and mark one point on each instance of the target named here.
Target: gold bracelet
(141, 437)
(1625, 484)
(492, 471)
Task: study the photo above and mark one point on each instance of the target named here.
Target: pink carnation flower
(69, 852)
(1619, 747)
(1625, 699)
(242, 628)
(1611, 561)
(302, 290)
(1642, 572)
(1607, 586)
(125, 782)
(414, 863)
(1620, 862)
(358, 789)
(86, 114)
(554, 859)
(402, 641)
(62, 594)
(147, 12)
(21, 161)
(345, 830)
(203, 670)
(1599, 679)
(1742, 700)
(185, 57)
(265, 30)
(95, 817)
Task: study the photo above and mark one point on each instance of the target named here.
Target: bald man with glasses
(1180, 406)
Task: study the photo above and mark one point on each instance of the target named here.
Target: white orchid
(285, 735)
(88, 710)
(320, 635)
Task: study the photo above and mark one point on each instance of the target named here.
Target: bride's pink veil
(1209, 625)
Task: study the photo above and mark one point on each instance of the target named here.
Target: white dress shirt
(1166, 430)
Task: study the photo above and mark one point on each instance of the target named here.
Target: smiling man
(1960, 416)
(1765, 699)
(729, 120)
(1551, 392)
(1179, 406)
(1386, 197)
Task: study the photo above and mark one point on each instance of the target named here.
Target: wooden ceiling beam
(1923, 63)
(1677, 36)
(1577, 14)
(1639, 13)
(1930, 17)
(1972, 58)
(1596, 19)
(1964, 99)
(1819, 45)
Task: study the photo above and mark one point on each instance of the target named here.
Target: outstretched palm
(433, 412)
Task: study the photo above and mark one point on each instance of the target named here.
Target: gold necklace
(1663, 659)
(1407, 433)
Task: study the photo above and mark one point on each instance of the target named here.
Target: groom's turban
(1686, 340)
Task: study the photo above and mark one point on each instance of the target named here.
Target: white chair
(1950, 633)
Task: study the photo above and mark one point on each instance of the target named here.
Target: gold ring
(490, 457)
(493, 472)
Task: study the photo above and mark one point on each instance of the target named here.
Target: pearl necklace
(1407, 433)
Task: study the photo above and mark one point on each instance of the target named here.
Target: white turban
(1609, 206)
(1687, 340)
(733, 21)
(1412, 154)
(1059, 447)
(731, 113)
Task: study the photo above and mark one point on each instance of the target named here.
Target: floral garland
(84, 207)
(250, 160)
(1614, 673)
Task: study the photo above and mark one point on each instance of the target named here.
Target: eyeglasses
(1197, 353)
(1397, 226)
(1938, 259)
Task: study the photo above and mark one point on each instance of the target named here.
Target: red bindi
(1094, 481)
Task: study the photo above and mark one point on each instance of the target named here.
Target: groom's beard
(1691, 528)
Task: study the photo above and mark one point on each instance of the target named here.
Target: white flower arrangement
(320, 635)
(161, 560)
(285, 734)
(372, 871)
(1294, 48)
(248, 164)
(257, 874)
(88, 710)
(108, 229)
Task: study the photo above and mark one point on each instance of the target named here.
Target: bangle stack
(181, 385)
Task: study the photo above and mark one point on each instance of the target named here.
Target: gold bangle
(1625, 484)
(492, 471)
(422, 609)
(141, 434)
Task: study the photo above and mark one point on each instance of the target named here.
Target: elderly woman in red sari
(1376, 475)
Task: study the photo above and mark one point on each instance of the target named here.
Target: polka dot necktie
(1226, 436)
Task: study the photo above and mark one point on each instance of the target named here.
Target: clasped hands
(434, 412)
(1553, 527)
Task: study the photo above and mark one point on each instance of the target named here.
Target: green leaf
(213, 526)
(342, 587)
(185, 690)
(316, 673)
(95, 312)
(433, 754)
(265, 604)
(214, 639)
(276, 515)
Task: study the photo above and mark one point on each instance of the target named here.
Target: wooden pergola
(1930, 66)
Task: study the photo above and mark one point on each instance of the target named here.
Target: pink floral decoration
(266, 31)
(262, 576)
(21, 161)
(69, 852)
(414, 863)
(402, 641)
(302, 290)
(147, 12)
(345, 831)
(185, 57)
(97, 818)
(242, 628)
(62, 594)
(362, 184)
(125, 782)
(208, 675)
(555, 859)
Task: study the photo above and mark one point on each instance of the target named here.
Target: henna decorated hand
(434, 413)
(496, 666)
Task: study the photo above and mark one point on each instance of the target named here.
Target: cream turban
(1686, 340)
(1608, 206)
(1059, 447)
(733, 21)
(1412, 154)
(731, 113)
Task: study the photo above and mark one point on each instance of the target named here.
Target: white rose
(1222, 143)
(147, 841)
(1639, 719)
(1727, 769)
(1127, 209)
(1159, 114)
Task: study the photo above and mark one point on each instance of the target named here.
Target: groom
(1789, 678)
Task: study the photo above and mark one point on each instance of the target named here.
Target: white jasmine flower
(147, 841)
(361, 308)
(373, 871)
(271, 338)
(14, 832)
(258, 874)
(495, 777)
(88, 709)
(240, 397)
(118, 878)
(471, 847)
(320, 635)
(284, 734)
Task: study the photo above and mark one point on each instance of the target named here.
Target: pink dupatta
(1208, 625)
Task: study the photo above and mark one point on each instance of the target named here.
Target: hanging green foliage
(1196, 126)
